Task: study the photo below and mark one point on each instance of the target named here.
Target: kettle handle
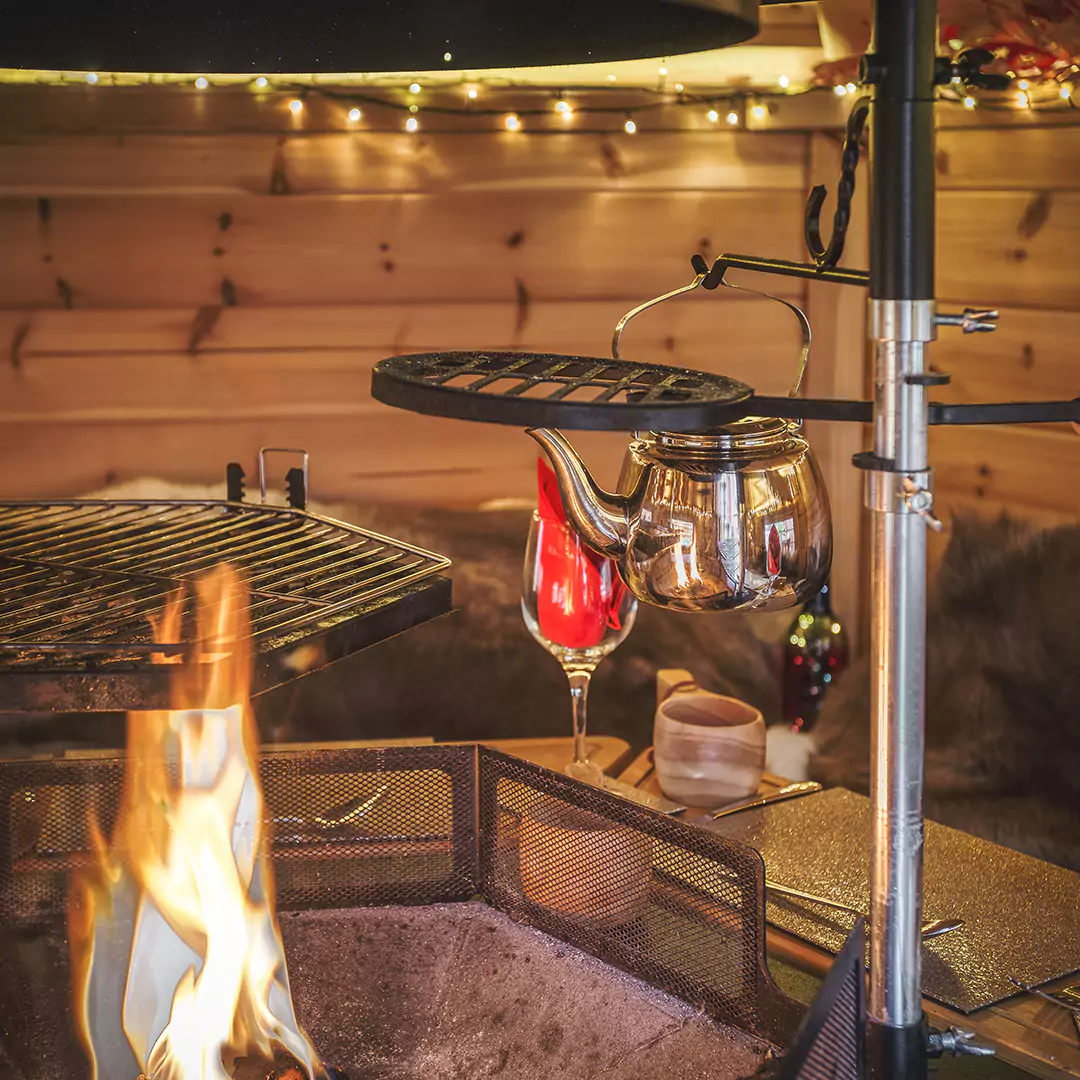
(804, 322)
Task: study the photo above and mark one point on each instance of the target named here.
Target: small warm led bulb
(296, 106)
(201, 82)
(630, 127)
(414, 88)
(567, 113)
(512, 122)
(447, 57)
(562, 106)
(969, 103)
(1066, 91)
(1021, 97)
(732, 118)
(354, 115)
(759, 112)
(91, 77)
(851, 88)
(412, 125)
(612, 78)
(662, 71)
(471, 93)
(414, 108)
(713, 116)
(1023, 84)
(840, 90)
(260, 82)
(679, 88)
(784, 81)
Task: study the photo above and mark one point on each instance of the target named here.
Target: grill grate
(80, 581)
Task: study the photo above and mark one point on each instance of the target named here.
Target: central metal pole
(901, 68)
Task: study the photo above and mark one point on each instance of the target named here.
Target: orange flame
(176, 952)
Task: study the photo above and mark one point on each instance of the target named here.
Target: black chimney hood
(274, 36)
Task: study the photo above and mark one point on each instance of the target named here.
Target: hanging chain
(849, 160)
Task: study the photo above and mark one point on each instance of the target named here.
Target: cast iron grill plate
(550, 390)
(80, 581)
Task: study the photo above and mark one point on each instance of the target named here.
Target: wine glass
(576, 605)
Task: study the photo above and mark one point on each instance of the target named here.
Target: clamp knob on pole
(920, 500)
(956, 1042)
(967, 67)
(970, 320)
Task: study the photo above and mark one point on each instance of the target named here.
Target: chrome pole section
(900, 66)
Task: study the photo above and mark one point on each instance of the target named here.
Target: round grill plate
(551, 390)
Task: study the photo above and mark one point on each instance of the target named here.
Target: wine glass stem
(579, 679)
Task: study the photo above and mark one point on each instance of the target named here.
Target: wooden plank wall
(183, 281)
(1009, 237)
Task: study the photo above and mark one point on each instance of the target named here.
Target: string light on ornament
(784, 81)
(969, 102)
(679, 88)
(512, 122)
(1065, 92)
(851, 88)
(758, 111)
(354, 115)
(562, 106)
(412, 125)
(840, 89)
(415, 88)
(733, 118)
(296, 106)
(201, 83)
(713, 116)
(1023, 84)
(91, 77)
(630, 127)
(661, 72)
(261, 82)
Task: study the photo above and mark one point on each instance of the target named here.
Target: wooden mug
(584, 866)
(707, 749)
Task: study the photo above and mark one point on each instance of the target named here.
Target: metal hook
(621, 324)
(849, 160)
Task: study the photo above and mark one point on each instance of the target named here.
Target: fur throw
(1002, 692)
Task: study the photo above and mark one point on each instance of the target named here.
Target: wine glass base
(586, 772)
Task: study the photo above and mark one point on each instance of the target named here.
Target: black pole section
(901, 66)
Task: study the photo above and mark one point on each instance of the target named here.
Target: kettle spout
(596, 515)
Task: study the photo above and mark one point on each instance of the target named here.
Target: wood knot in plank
(516, 239)
(202, 325)
(1035, 216)
(611, 159)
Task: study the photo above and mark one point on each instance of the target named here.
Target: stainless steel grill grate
(79, 582)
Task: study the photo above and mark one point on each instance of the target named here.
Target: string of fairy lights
(1049, 91)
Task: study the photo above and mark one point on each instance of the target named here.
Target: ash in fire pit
(439, 992)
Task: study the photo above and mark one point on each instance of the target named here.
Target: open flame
(178, 963)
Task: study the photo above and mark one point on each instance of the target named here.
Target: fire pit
(466, 914)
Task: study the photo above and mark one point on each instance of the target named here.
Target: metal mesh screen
(830, 1043)
(680, 907)
(348, 827)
